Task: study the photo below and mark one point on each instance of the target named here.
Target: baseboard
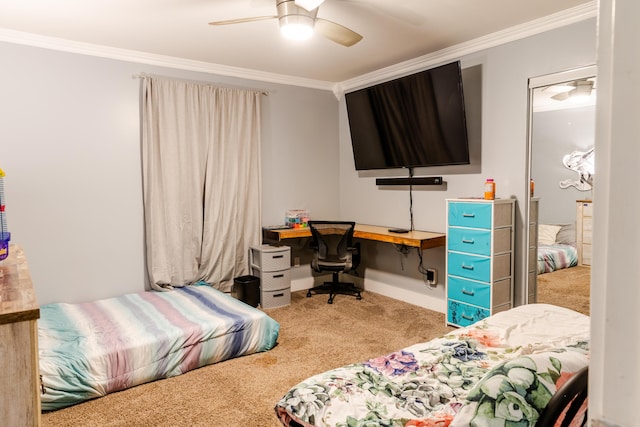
(421, 300)
(405, 295)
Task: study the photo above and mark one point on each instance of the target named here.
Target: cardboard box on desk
(297, 218)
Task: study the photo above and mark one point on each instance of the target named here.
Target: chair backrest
(567, 406)
(332, 239)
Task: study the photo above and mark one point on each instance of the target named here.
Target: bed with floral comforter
(499, 372)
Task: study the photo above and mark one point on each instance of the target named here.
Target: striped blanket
(91, 349)
(556, 257)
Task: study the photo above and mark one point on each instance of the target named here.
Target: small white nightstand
(584, 230)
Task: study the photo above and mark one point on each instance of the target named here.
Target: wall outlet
(432, 276)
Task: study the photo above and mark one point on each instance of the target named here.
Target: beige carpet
(569, 287)
(314, 337)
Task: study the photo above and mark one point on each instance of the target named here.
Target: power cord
(411, 198)
(421, 268)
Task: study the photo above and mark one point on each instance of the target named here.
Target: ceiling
(176, 32)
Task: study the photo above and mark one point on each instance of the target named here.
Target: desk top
(417, 239)
(17, 297)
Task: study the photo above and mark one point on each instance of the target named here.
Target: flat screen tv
(413, 121)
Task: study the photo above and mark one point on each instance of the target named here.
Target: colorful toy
(296, 218)
(5, 236)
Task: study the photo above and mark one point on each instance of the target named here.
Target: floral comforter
(499, 372)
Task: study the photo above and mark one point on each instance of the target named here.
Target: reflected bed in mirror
(558, 127)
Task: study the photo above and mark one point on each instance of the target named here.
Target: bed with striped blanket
(88, 350)
(555, 257)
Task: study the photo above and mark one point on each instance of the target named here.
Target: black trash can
(247, 288)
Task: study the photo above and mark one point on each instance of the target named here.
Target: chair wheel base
(334, 289)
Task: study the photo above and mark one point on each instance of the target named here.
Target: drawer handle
(278, 295)
(470, 293)
(470, 241)
(467, 267)
(465, 317)
(277, 276)
(278, 256)
(469, 215)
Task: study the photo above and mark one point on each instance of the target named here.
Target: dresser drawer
(271, 258)
(272, 299)
(533, 259)
(470, 292)
(587, 208)
(469, 266)
(586, 254)
(273, 280)
(475, 215)
(463, 314)
(587, 230)
(469, 240)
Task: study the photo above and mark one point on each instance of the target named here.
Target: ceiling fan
(298, 20)
(579, 89)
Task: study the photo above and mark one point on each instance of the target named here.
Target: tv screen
(413, 121)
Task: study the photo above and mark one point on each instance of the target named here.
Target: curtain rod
(143, 75)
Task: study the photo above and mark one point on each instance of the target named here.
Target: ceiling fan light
(308, 4)
(296, 27)
(581, 93)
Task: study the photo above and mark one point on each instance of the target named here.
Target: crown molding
(560, 19)
(531, 28)
(53, 43)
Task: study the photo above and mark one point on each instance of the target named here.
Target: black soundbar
(426, 180)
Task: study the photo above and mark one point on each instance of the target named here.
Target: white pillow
(547, 234)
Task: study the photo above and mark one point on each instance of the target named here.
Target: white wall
(70, 146)
(505, 73)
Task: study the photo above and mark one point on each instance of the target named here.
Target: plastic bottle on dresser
(532, 186)
(489, 189)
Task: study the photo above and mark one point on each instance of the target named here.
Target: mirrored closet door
(561, 173)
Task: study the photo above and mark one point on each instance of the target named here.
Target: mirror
(561, 138)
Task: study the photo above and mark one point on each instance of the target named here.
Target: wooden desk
(416, 239)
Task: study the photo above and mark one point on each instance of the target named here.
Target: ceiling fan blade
(562, 96)
(337, 33)
(308, 5)
(241, 20)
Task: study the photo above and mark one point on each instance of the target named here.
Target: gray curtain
(201, 181)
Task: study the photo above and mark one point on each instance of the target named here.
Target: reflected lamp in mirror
(581, 162)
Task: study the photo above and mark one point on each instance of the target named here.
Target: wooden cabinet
(480, 258)
(584, 230)
(19, 373)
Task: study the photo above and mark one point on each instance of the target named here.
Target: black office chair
(334, 251)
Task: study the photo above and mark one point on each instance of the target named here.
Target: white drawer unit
(479, 258)
(272, 264)
(584, 230)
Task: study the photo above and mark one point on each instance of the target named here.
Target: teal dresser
(479, 258)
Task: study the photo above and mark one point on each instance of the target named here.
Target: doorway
(561, 138)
